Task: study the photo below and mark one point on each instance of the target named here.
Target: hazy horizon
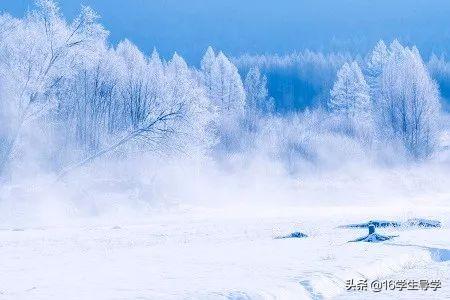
(260, 27)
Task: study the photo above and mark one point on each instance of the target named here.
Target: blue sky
(237, 26)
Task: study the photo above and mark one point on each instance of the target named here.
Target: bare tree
(149, 130)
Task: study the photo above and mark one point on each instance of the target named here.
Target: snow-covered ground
(227, 253)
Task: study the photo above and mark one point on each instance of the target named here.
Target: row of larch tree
(84, 99)
(392, 98)
(90, 99)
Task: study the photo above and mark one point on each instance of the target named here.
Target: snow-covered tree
(410, 101)
(186, 92)
(376, 61)
(91, 102)
(256, 92)
(38, 53)
(146, 105)
(350, 95)
(257, 97)
(92, 98)
(223, 83)
(297, 80)
(206, 64)
(225, 90)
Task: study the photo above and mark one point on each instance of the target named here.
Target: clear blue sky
(238, 26)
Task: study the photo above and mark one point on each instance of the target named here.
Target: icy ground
(223, 254)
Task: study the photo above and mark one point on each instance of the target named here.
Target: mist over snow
(90, 129)
(124, 148)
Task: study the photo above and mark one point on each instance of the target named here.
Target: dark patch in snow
(238, 296)
(376, 223)
(415, 222)
(374, 238)
(293, 235)
(314, 295)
